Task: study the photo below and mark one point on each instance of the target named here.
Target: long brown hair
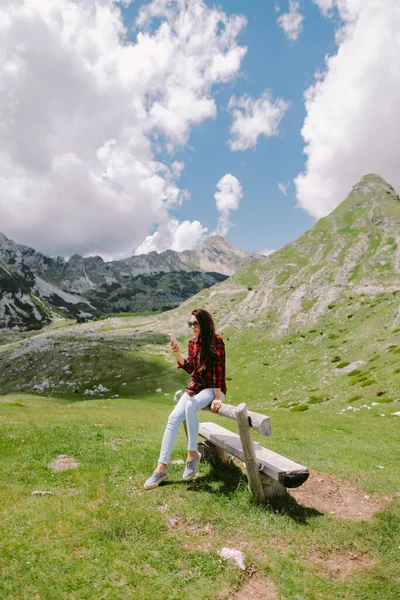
(208, 352)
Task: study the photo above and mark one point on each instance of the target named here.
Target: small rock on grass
(39, 493)
(233, 555)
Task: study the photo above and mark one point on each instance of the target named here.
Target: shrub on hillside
(299, 408)
(354, 398)
(315, 400)
(367, 382)
(385, 400)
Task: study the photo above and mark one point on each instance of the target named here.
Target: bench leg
(211, 452)
(186, 431)
(253, 473)
(272, 489)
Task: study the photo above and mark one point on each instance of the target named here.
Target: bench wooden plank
(280, 468)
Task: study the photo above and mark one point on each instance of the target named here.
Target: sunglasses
(193, 323)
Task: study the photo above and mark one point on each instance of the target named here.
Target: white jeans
(187, 408)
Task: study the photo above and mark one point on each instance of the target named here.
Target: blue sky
(266, 218)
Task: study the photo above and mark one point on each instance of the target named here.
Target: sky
(133, 126)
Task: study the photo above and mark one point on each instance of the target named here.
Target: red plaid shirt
(213, 377)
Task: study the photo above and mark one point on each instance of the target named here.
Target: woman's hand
(216, 405)
(175, 348)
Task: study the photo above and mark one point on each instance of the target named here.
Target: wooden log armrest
(258, 422)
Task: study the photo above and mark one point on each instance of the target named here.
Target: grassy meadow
(99, 535)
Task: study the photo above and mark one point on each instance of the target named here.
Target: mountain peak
(214, 240)
(218, 242)
(372, 183)
(374, 178)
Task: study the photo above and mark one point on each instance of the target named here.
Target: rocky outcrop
(36, 289)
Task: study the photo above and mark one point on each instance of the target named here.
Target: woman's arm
(179, 357)
(188, 364)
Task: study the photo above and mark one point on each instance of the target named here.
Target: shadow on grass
(227, 479)
(290, 507)
(223, 479)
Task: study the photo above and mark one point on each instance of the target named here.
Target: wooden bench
(269, 474)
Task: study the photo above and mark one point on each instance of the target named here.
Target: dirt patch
(112, 446)
(117, 442)
(175, 522)
(63, 463)
(330, 494)
(201, 546)
(339, 565)
(256, 588)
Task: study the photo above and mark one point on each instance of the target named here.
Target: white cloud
(325, 6)
(174, 236)
(267, 252)
(283, 187)
(353, 118)
(252, 118)
(229, 194)
(83, 113)
(292, 22)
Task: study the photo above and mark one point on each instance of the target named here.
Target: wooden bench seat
(269, 474)
(282, 469)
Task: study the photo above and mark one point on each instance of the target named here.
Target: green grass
(101, 536)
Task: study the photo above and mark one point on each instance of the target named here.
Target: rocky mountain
(28, 301)
(35, 289)
(345, 263)
(215, 255)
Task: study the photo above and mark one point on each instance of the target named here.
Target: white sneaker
(191, 467)
(155, 479)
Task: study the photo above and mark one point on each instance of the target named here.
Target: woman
(206, 365)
